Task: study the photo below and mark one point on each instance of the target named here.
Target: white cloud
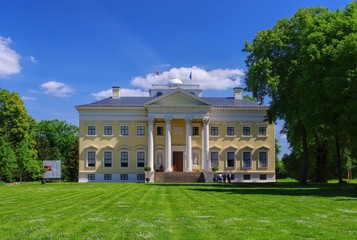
(124, 92)
(218, 79)
(33, 59)
(57, 89)
(9, 59)
(26, 98)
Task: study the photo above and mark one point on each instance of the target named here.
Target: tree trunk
(321, 156)
(303, 179)
(338, 155)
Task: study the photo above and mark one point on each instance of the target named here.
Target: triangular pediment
(178, 97)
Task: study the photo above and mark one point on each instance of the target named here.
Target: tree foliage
(24, 143)
(58, 140)
(307, 65)
(7, 161)
(15, 123)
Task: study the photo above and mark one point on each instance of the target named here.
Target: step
(179, 177)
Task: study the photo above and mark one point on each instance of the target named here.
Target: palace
(175, 130)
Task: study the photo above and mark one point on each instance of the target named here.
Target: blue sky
(59, 54)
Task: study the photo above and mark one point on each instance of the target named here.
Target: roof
(140, 101)
(120, 102)
(231, 102)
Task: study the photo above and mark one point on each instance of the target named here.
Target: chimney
(238, 93)
(115, 92)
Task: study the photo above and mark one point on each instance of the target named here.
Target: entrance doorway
(177, 161)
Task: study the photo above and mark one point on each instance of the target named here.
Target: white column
(151, 143)
(205, 145)
(188, 145)
(168, 165)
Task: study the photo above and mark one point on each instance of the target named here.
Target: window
(91, 130)
(140, 176)
(107, 177)
(91, 159)
(140, 159)
(263, 177)
(195, 131)
(107, 159)
(124, 177)
(230, 159)
(262, 131)
(91, 176)
(140, 130)
(124, 159)
(246, 176)
(246, 131)
(107, 130)
(230, 131)
(214, 159)
(214, 131)
(262, 161)
(160, 131)
(124, 130)
(246, 159)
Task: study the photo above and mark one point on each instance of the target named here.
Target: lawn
(178, 211)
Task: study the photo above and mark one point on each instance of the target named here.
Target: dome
(174, 82)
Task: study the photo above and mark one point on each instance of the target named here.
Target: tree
(59, 140)
(27, 165)
(301, 65)
(7, 161)
(15, 123)
(279, 165)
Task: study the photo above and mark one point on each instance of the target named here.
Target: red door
(177, 161)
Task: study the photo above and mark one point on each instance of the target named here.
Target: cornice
(239, 109)
(110, 108)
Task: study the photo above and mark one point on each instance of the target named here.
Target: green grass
(178, 211)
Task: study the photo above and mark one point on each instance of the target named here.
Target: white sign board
(52, 169)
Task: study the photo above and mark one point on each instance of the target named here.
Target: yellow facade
(115, 142)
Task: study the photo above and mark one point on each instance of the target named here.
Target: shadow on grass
(349, 191)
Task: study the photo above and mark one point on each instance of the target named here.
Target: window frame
(227, 159)
(107, 176)
(230, 131)
(140, 130)
(108, 129)
(140, 177)
(243, 159)
(90, 129)
(105, 158)
(215, 132)
(121, 159)
(124, 177)
(214, 165)
(124, 130)
(265, 134)
(137, 159)
(160, 132)
(266, 159)
(195, 131)
(247, 177)
(90, 176)
(95, 158)
(244, 128)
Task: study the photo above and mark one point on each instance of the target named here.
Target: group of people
(219, 177)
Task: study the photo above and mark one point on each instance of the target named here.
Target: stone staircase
(169, 177)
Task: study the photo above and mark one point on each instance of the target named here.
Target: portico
(178, 143)
(177, 111)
